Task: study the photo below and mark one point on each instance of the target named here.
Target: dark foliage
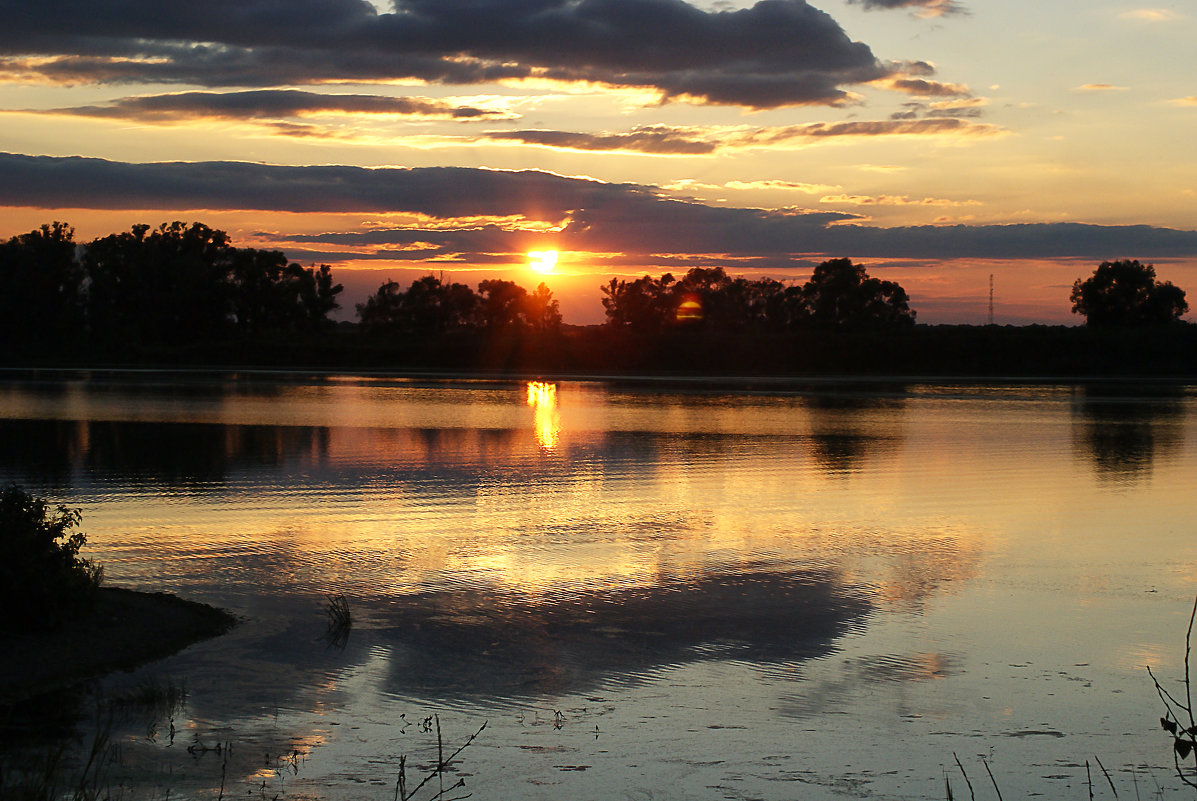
(43, 580)
(430, 306)
(43, 299)
(177, 283)
(840, 295)
(1126, 293)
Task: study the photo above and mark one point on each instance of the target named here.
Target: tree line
(431, 306)
(169, 284)
(839, 295)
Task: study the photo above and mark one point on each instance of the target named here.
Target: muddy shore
(126, 629)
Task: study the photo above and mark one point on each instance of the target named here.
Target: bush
(43, 582)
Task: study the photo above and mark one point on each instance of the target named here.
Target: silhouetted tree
(432, 305)
(541, 311)
(503, 303)
(166, 285)
(704, 297)
(258, 302)
(42, 300)
(381, 310)
(841, 294)
(427, 306)
(314, 294)
(1126, 293)
(646, 304)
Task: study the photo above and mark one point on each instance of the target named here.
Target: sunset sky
(938, 142)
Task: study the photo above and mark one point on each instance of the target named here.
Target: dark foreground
(1168, 352)
(126, 629)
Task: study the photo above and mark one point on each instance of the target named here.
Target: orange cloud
(893, 200)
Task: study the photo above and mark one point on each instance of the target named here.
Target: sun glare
(542, 261)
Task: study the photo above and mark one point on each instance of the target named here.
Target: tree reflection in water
(1124, 432)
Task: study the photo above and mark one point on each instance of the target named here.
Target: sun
(542, 261)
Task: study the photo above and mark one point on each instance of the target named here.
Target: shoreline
(126, 629)
(779, 381)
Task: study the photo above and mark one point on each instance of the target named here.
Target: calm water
(644, 592)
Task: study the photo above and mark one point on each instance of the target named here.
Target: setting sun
(542, 261)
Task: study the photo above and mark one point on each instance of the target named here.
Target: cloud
(886, 169)
(925, 8)
(774, 53)
(272, 104)
(970, 107)
(1099, 87)
(893, 200)
(1151, 15)
(1191, 100)
(663, 139)
(74, 182)
(810, 189)
(865, 128)
(923, 87)
(654, 139)
(588, 215)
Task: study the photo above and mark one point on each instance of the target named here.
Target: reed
(340, 620)
(1178, 719)
(402, 793)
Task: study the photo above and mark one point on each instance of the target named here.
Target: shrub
(43, 582)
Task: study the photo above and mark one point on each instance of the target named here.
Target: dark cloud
(929, 8)
(775, 53)
(869, 128)
(594, 216)
(655, 139)
(663, 139)
(271, 103)
(972, 107)
(1016, 241)
(927, 88)
(75, 182)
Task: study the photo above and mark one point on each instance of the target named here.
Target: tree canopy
(1127, 293)
(431, 306)
(174, 283)
(839, 295)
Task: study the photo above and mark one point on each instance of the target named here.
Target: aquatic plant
(1178, 719)
(402, 793)
(340, 621)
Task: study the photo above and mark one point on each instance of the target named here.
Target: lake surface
(644, 591)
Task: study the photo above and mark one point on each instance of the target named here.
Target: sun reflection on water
(542, 397)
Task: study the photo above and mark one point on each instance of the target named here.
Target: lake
(644, 590)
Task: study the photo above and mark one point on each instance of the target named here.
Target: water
(644, 591)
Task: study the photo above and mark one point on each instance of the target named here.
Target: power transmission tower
(991, 298)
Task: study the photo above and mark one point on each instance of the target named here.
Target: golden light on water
(542, 397)
(542, 261)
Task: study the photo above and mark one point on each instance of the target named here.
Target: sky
(949, 145)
